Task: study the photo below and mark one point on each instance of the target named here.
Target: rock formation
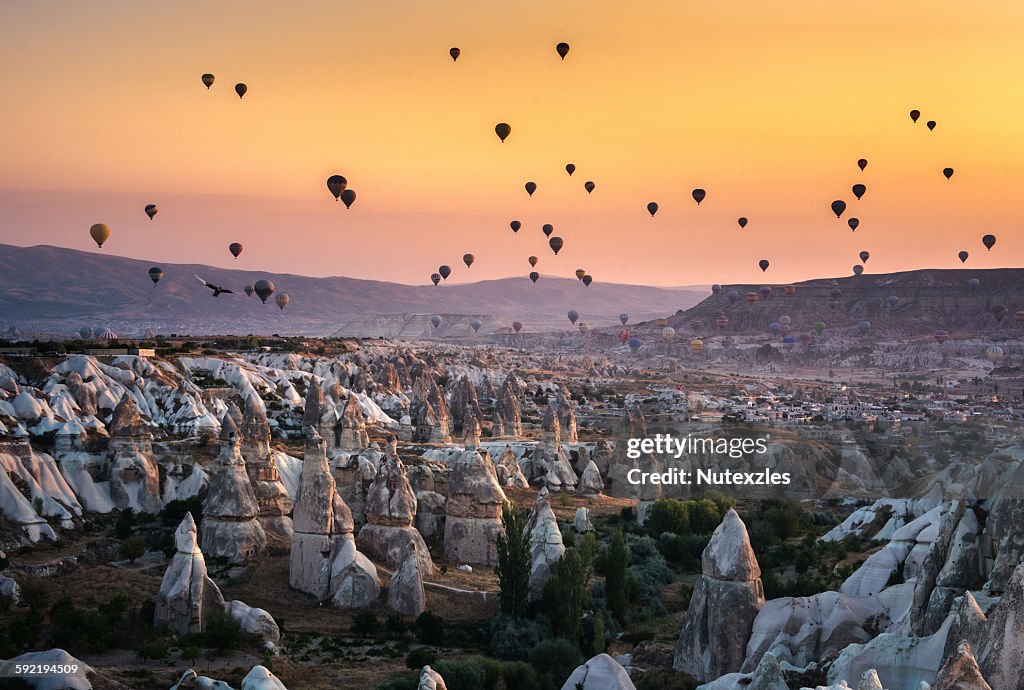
(464, 406)
(728, 590)
(430, 680)
(405, 592)
(134, 476)
(551, 466)
(473, 511)
(272, 499)
(581, 521)
(508, 472)
(566, 417)
(960, 671)
(546, 546)
(1001, 651)
(599, 673)
(230, 528)
(187, 594)
(390, 511)
(508, 416)
(590, 484)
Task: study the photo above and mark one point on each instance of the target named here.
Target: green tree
(565, 595)
(131, 548)
(514, 561)
(615, 575)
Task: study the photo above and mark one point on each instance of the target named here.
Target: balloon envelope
(348, 197)
(963, 257)
(864, 256)
(435, 320)
(445, 271)
(652, 208)
(573, 315)
(517, 326)
(838, 207)
(589, 186)
(587, 280)
(468, 259)
(248, 290)
(763, 264)
(556, 244)
(208, 80)
(435, 278)
(989, 241)
(534, 276)
(263, 289)
(858, 190)
(515, 225)
(240, 89)
(948, 172)
(698, 195)
(623, 318)
(475, 325)
(502, 130)
(548, 228)
(235, 248)
(562, 49)
(570, 168)
(336, 185)
(281, 300)
(853, 223)
(531, 187)
(862, 163)
(454, 52)
(532, 260)
(155, 274)
(858, 269)
(931, 125)
(914, 114)
(151, 210)
(742, 222)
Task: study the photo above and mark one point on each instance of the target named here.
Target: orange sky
(766, 105)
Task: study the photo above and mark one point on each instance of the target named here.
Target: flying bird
(216, 289)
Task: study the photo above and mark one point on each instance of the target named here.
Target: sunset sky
(766, 105)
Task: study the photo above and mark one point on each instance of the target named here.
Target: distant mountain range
(908, 303)
(55, 290)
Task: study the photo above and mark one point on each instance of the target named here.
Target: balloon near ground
(281, 300)
(263, 289)
(100, 233)
(155, 274)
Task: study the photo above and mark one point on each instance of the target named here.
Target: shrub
(131, 548)
(554, 660)
(153, 650)
(519, 675)
(513, 638)
(365, 623)
(430, 628)
(418, 658)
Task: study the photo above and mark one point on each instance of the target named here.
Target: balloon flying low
(989, 241)
(248, 290)
(864, 256)
(858, 269)
(435, 320)
(435, 278)
(517, 326)
(263, 289)
(475, 324)
(281, 300)
(445, 270)
(587, 280)
(623, 318)
(155, 274)
(534, 276)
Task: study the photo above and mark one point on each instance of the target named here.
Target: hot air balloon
(248, 290)
(836, 293)
(556, 244)
(573, 315)
(914, 114)
(531, 187)
(863, 326)
(475, 324)
(468, 259)
(584, 327)
(151, 210)
(765, 291)
(819, 326)
(785, 320)
(208, 81)
(989, 241)
(517, 326)
(652, 208)
(100, 233)
(336, 185)
(805, 339)
(435, 278)
(789, 290)
(858, 190)
(587, 280)
(532, 260)
(838, 207)
(661, 323)
(892, 300)
(281, 300)
(698, 195)
(941, 336)
(534, 276)
(155, 274)
(715, 289)
(235, 248)
(994, 353)
(862, 163)
(455, 53)
(948, 172)
(263, 289)
(547, 229)
(348, 197)
(589, 186)
(864, 256)
(435, 320)
(86, 333)
(580, 273)
(515, 225)
(742, 221)
(722, 321)
(667, 333)
(1018, 316)
(445, 271)
(562, 49)
(732, 296)
(853, 223)
(858, 269)
(502, 130)
(624, 336)
(623, 318)
(696, 346)
(634, 344)
(973, 283)
(240, 89)
(570, 168)
(751, 297)
(763, 264)
(963, 257)
(931, 125)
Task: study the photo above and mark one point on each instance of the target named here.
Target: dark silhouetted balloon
(862, 163)
(973, 283)
(263, 289)
(435, 278)
(858, 269)
(547, 229)
(931, 125)
(556, 244)
(235, 248)
(348, 197)
(517, 326)
(858, 190)
(573, 315)
(248, 290)
(587, 280)
(580, 273)
(531, 187)
(948, 172)
(652, 208)
(445, 271)
(468, 259)
(241, 89)
(715, 289)
(853, 223)
(589, 186)
(892, 300)
(475, 324)
(763, 263)
(455, 53)
(151, 210)
(502, 130)
(742, 221)
(515, 225)
(336, 185)
(570, 168)
(732, 296)
(989, 241)
(562, 49)
(532, 260)
(623, 318)
(914, 114)
(698, 195)
(155, 274)
(534, 276)
(838, 207)
(208, 80)
(963, 257)
(435, 320)
(863, 326)
(864, 256)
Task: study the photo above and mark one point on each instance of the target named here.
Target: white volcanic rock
(1004, 531)
(508, 471)
(430, 680)
(187, 594)
(1000, 653)
(729, 589)
(260, 678)
(255, 621)
(590, 484)
(358, 584)
(272, 498)
(405, 592)
(50, 497)
(599, 673)
(960, 672)
(230, 528)
(134, 476)
(9, 589)
(473, 510)
(766, 676)
(508, 418)
(390, 512)
(581, 521)
(53, 681)
(546, 546)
